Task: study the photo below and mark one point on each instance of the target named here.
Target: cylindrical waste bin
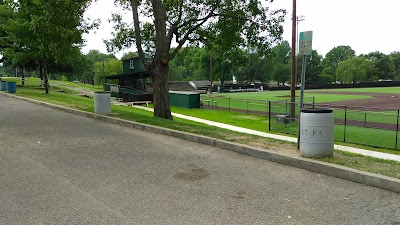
(102, 103)
(316, 133)
(3, 86)
(11, 87)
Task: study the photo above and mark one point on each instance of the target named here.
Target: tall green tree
(354, 70)
(55, 29)
(281, 72)
(182, 21)
(129, 55)
(335, 56)
(109, 67)
(313, 66)
(280, 60)
(6, 13)
(395, 57)
(383, 64)
(282, 52)
(97, 56)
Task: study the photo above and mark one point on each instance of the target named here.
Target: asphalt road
(59, 168)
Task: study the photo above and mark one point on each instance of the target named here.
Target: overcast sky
(364, 25)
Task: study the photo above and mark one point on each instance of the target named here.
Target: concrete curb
(374, 180)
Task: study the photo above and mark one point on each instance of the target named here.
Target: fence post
(269, 115)
(365, 119)
(345, 123)
(286, 112)
(397, 128)
(313, 102)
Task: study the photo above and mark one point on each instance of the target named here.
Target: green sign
(305, 43)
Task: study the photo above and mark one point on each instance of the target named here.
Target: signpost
(305, 49)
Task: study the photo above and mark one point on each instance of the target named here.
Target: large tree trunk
(41, 74)
(23, 76)
(161, 91)
(45, 75)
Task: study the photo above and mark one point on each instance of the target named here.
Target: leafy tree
(226, 62)
(235, 22)
(328, 75)
(109, 67)
(354, 70)
(383, 64)
(129, 55)
(281, 53)
(256, 68)
(281, 73)
(395, 57)
(46, 31)
(280, 60)
(337, 55)
(6, 13)
(191, 63)
(313, 67)
(97, 56)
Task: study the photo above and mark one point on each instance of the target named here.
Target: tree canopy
(337, 55)
(44, 31)
(160, 23)
(354, 70)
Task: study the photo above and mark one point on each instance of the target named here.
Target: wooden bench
(138, 102)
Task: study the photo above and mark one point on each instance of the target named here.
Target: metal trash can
(3, 86)
(102, 103)
(12, 87)
(316, 133)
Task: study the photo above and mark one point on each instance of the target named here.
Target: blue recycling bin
(3, 86)
(12, 87)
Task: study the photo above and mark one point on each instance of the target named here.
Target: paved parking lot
(59, 168)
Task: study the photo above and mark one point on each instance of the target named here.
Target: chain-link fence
(358, 125)
(373, 127)
(259, 107)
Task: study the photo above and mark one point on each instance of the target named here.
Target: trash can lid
(320, 110)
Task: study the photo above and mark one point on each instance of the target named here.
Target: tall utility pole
(211, 70)
(298, 20)
(293, 78)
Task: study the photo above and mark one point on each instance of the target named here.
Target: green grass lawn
(89, 87)
(29, 81)
(34, 81)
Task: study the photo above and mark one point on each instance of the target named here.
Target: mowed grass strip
(129, 113)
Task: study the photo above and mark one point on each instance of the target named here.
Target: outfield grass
(394, 90)
(285, 95)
